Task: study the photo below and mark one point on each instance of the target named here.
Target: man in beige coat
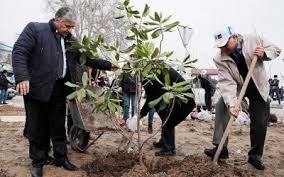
(232, 61)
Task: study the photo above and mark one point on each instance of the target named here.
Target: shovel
(238, 104)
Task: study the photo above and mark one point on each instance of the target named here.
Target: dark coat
(37, 54)
(208, 85)
(154, 90)
(3, 81)
(128, 83)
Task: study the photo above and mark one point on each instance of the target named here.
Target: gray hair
(65, 13)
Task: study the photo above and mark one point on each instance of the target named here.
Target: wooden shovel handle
(238, 104)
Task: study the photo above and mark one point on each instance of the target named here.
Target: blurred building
(5, 57)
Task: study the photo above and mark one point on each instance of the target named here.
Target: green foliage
(177, 90)
(146, 29)
(109, 101)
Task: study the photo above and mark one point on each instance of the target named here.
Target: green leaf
(153, 103)
(147, 69)
(166, 54)
(119, 17)
(189, 66)
(186, 58)
(115, 100)
(182, 99)
(117, 44)
(182, 89)
(167, 97)
(129, 49)
(157, 17)
(169, 54)
(90, 93)
(156, 33)
(69, 84)
(86, 41)
(134, 12)
(134, 30)
(143, 36)
(158, 80)
(79, 95)
(166, 19)
(191, 61)
(190, 95)
(151, 23)
(130, 37)
(155, 53)
(85, 79)
(111, 107)
(72, 95)
(149, 30)
(167, 79)
(126, 3)
(180, 84)
(117, 56)
(172, 25)
(146, 10)
(83, 59)
(118, 108)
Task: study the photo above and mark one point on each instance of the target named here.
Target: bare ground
(103, 160)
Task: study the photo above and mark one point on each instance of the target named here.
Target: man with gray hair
(232, 61)
(42, 64)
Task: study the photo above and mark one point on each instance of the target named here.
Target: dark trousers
(47, 122)
(276, 91)
(179, 113)
(259, 112)
(208, 101)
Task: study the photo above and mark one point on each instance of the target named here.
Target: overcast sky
(204, 16)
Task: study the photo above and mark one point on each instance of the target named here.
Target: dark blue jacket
(154, 90)
(36, 56)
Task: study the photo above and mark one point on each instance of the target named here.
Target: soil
(8, 110)
(127, 165)
(104, 160)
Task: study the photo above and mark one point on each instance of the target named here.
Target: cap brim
(222, 43)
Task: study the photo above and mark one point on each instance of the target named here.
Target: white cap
(222, 36)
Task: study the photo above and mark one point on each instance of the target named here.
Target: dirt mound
(7, 110)
(112, 165)
(3, 173)
(127, 165)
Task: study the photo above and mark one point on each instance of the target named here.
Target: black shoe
(158, 144)
(66, 164)
(256, 162)
(5, 103)
(223, 155)
(49, 161)
(150, 130)
(37, 172)
(165, 152)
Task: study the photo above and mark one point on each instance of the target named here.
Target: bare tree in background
(95, 17)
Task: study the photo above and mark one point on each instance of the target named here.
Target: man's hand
(23, 87)
(234, 111)
(259, 52)
(114, 67)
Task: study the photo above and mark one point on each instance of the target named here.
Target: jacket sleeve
(22, 50)
(98, 64)
(227, 84)
(145, 109)
(271, 50)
